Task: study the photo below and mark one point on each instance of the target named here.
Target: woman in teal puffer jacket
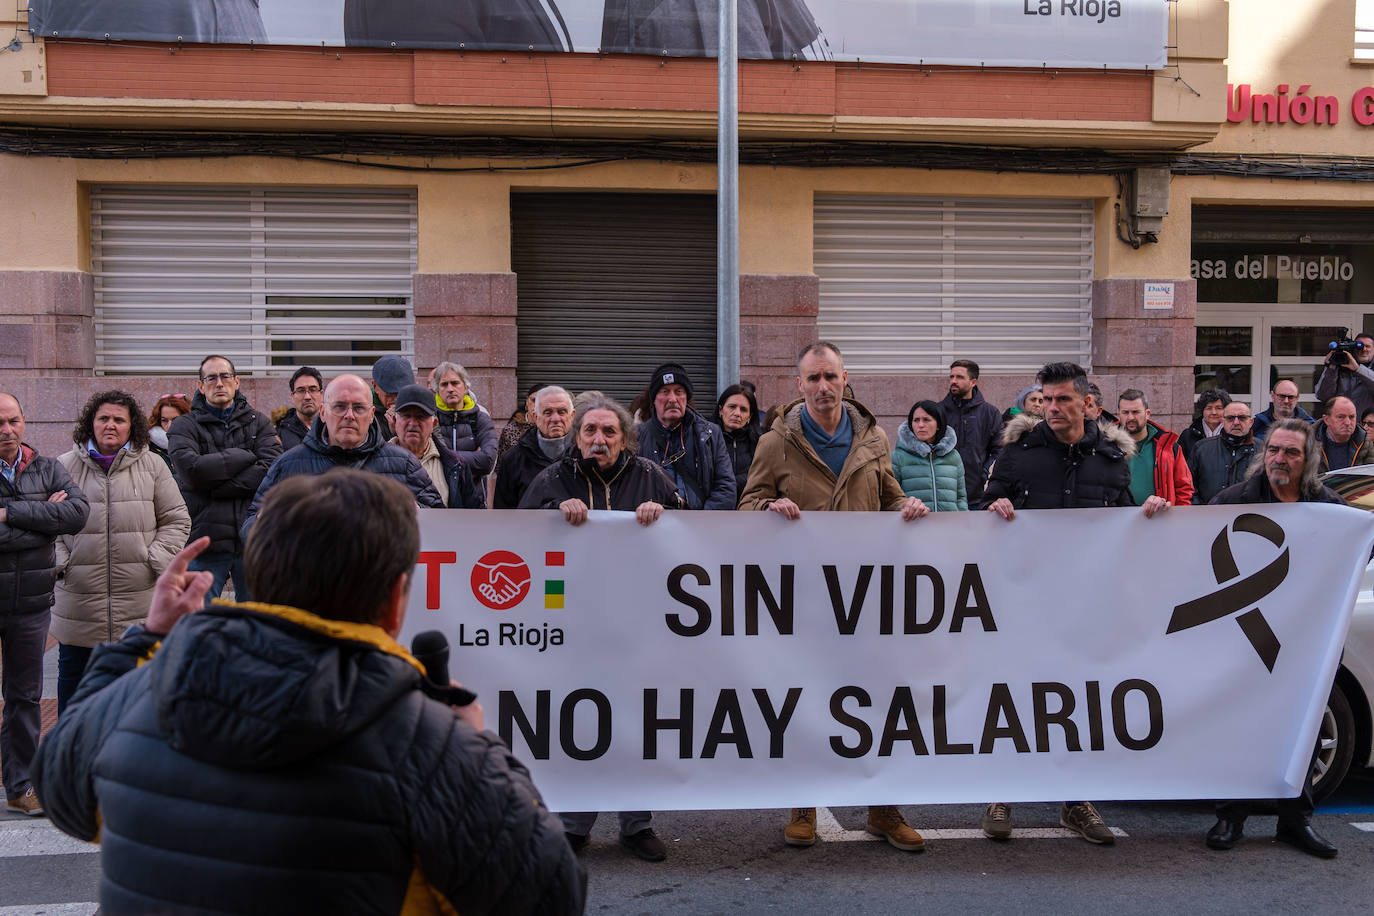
(925, 462)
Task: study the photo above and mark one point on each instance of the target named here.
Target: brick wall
(586, 81)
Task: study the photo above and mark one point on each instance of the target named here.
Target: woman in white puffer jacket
(138, 522)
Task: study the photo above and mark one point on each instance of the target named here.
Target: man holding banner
(1284, 472)
(604, 467)
(1062, 462)
(826, 453)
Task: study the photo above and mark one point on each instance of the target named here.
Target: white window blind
(1364, 29)
(909, 284)
(270, 277)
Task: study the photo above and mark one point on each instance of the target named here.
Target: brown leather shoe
(801, 829)
(26, 804)
(886, 821)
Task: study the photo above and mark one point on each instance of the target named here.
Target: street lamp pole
(727, 199)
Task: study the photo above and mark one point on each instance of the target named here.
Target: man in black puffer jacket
(1062, 462)
(290, 756)
(221, 451)
(38, 502)
(344, 436)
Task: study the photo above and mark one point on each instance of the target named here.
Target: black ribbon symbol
(1240, 594)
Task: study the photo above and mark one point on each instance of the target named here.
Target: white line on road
(1366, 826)
(50, 909)
(34, 837)
(831, 831)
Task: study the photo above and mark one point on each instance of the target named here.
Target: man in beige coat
(828, 454)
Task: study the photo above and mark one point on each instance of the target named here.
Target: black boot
(1301, 835)
(1225, 832)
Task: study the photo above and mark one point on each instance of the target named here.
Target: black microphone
(430, 649)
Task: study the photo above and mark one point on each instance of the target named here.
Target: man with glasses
(307, 390)
(221, 451)
(1285, 471)
(347, 437)
(1340, 440)
(1350, 375)
(689, 447)
(1221, 461)
(1283, 403)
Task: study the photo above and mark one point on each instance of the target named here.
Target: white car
(1347, 729)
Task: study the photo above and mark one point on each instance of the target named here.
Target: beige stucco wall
(1277, 42)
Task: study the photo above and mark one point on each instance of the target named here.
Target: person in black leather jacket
(290, 756)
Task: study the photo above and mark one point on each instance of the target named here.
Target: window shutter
(270, 277)
(909, 284)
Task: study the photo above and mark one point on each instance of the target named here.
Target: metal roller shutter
(270, 277)
(612, 285)
(909, 284)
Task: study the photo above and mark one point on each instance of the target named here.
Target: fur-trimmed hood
(907, 442)
(1109, 434)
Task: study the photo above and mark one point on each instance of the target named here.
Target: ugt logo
(1240, 593)
(500, 579)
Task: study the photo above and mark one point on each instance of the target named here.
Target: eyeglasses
(1285, 397)
(177, 395)
(313, 389)
(221, 376)
(357, 410)
(1240, 419)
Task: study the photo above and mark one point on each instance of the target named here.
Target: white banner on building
(738, 660)
(1124, 34)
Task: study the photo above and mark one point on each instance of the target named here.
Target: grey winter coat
(138, 522)
(1217, 464)
(28, 557)
(935, 476)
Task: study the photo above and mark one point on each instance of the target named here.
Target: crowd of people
(179, 491)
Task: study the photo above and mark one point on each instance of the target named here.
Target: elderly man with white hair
(536, 449)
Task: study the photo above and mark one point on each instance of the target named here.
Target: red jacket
(1173, 479)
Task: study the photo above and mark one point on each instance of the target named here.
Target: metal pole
(727, 200)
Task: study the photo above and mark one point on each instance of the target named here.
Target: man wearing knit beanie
(689, 447)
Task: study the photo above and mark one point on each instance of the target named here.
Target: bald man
(38, 502)
(343, 435)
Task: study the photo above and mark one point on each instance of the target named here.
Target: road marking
(34, 837)
(50, 909)
(1366, 826)
(831, 831)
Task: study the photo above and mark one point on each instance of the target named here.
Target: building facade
(542, 216)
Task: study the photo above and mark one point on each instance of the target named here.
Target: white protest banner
(738, 660)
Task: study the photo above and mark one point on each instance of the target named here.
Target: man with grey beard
(1285, 471)
(536, 449)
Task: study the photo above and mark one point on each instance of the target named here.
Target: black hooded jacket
(1037, 471)
(267, 760)
(219, 466)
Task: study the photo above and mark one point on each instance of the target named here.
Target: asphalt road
(735, 862)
